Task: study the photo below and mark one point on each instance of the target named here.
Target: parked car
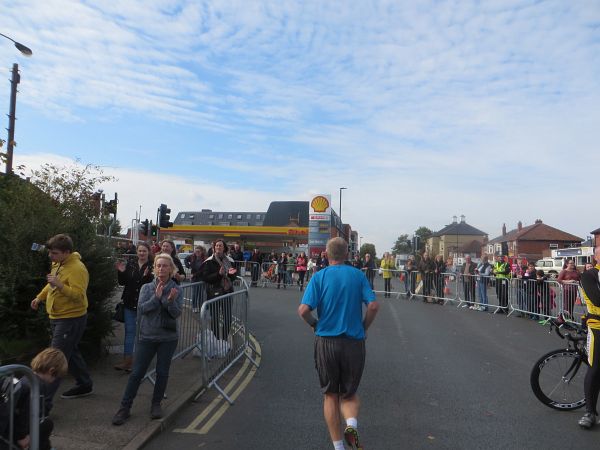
(550, 266)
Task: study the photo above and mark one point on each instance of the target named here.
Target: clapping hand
(159, 289)
(172, 294)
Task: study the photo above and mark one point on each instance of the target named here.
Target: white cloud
(423, 109)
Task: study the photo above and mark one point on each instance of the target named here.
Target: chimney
(503, 229)
(538, 220)
(520, 226)
(454, 220)
(462, 218)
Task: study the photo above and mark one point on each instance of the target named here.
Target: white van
(550, 266)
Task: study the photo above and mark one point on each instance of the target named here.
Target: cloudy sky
(423, 109)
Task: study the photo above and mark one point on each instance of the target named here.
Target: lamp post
(16, 78)
(342, 223)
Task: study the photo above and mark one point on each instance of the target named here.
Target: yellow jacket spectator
(387, 265)
(66, 304)
(70, 301)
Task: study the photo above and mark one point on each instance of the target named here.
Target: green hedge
(28, 215)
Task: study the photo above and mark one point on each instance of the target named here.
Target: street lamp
(13, 103)
(341, 189)
(22, 48)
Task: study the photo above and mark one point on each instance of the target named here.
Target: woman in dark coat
(219, 272)
(169, 248)
(132, 275)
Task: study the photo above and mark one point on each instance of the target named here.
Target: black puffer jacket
(133, 279)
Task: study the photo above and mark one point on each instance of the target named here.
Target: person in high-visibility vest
(501, 271)
(591, 387)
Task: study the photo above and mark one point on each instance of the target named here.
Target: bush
(55, 201)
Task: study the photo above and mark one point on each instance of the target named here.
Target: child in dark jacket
(47, 365)
(544, 293)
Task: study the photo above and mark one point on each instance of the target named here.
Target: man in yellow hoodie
(66, 304)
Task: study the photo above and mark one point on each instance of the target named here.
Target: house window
(230, 216)
(553, 245)
(258, 217)
(238, 217)
(248, 216)
(211, 216)
(191, 217)
(182, 216)
(220, 216)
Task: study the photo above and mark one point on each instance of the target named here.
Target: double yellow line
(207, 418)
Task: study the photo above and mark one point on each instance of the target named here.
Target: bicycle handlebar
(558, 324)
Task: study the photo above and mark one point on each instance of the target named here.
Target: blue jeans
(130, 322)
(144, 352)
(482, 288)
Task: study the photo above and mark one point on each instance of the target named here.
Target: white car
(550, 266)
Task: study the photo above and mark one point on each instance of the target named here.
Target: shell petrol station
(285, 226)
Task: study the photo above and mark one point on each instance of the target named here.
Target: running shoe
(588, 421)
(352, 438)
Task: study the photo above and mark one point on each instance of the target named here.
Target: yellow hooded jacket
(70, 301)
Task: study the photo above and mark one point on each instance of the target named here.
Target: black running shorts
(339, 362)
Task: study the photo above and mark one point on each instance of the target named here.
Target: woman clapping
(159, 306)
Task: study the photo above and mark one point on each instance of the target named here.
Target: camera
(38, 247)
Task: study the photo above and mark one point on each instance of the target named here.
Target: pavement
(86, 422)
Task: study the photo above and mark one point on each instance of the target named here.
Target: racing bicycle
(557, 377)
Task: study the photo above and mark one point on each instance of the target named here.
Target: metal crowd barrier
(536, 298)
(270, 275)
(8, 402)
(431, 286)
(226, 335)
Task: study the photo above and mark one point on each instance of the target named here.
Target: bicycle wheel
(557, 379)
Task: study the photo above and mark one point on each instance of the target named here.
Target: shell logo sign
(319, 204)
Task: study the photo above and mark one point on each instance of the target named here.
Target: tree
(401, 247)
(367, 248)
(424, 233)
(57, 200)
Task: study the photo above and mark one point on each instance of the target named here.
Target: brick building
(532, 242)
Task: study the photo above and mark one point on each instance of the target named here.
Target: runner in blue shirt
(338, 293)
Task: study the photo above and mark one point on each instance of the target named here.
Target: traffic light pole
(157, 225)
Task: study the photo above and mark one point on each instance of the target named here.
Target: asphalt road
(436, 377)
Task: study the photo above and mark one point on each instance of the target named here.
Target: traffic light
(416, 243)
(154, 230)
(144, 227)
(164, 217)
(110, 207)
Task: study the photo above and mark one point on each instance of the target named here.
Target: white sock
(352, 422)
(338, 445)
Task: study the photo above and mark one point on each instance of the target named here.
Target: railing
(225, 335)
(536, 299)
(10, 396)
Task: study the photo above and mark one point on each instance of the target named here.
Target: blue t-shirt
(338, 293)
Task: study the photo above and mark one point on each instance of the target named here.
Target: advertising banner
(319, 224)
